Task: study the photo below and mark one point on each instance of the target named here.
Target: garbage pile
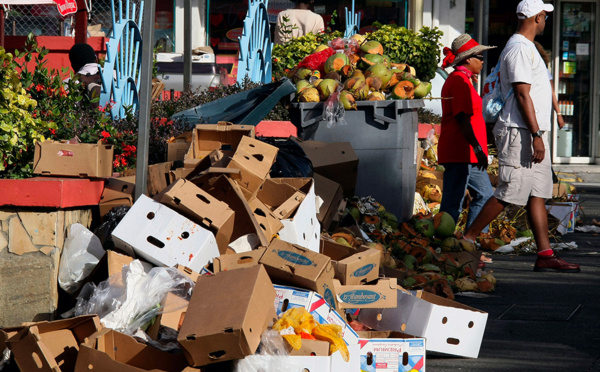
(226, 267)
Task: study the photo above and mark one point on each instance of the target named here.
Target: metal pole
(187, 45)
(141, 174)
(81, 22)
(415, 20)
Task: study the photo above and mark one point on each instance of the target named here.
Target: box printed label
(295, 258)
(360, 297)
(363, 270)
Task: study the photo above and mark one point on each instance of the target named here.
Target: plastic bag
(270, 357)
(291, 160)
(333, 110)
(80, 256)
(132, 300)
(111, 220)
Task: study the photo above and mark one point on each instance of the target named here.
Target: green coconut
(425, 227)
(320, 48)
(336, 62)
(326, 87)
(372, 47)
(450, 244)
(381, 72)
(443, 225)
(301, 85)
(349, 103)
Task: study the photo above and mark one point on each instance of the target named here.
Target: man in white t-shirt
(521, 133)
(298, 22)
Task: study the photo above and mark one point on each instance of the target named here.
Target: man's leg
(538, 221)
(492, 208)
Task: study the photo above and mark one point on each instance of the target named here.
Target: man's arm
(464, 122)
(525, 103)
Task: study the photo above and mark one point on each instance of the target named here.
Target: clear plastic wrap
(270, 356)
(79, 257)
(333, 110)
(132, 300)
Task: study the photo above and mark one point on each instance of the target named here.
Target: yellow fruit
(309, 95)
(432, 193)
(466, 285)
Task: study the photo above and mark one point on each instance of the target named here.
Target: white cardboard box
(392, 354)
(303, 228)
(289, 297)
(163, 237)
(449, 327)
(566, 213)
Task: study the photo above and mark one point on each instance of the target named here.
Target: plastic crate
(384, 135)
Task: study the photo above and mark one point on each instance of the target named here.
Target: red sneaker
(554, 263)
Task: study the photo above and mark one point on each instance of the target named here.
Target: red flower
(39, 87)
(52, 131)
(105, 134)
(116, 163)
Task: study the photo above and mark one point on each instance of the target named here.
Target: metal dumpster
(384, 136)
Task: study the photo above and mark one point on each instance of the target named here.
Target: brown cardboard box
(117, 192)
(200, 207)
(290, 264)
(381, 293)
(311, 348)
(223, 135)
(158, 177)
(226, 316)
(562, 189)
(80, 160)
(282, 198)
(332, 195)
(336, 161)
(225, 189)
(352, 265)
(268, 222)
(109, 350)
(52, 346)
(254, 159)
(238, 261)
(178, 146)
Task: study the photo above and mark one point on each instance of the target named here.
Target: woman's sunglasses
(478, 57)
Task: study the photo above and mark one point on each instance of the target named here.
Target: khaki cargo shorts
(519, 178)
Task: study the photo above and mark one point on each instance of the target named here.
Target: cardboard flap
(238, 260)
(254, 159)
(81, 159)
(267, 221)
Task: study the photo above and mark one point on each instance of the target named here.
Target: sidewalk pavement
(542, 321)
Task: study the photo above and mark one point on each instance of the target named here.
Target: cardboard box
(311, 348)
(117, 192)
(352, 265)
(381, 293)
(267, 221)
(565, 213)
(385, 351)
(302, 227)
(245, 225)
(79, 160)
(449, 327)
(238, 261)
(158, 177)
(226, 316)
(290, 297)
(331, 194)
(223, 135)
(202, 208)
(254, 159)
(562, 189)
(336, 161)
(52, 346)
(109, 350)
(178, 146)
(163, 237)
(293, 265)
(280, 197)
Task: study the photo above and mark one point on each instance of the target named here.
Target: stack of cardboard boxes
(253, 246)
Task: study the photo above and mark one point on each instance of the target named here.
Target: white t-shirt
(301, 22)
(522, 63)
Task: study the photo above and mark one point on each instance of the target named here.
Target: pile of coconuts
(362, 73)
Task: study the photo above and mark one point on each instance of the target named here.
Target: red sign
(66, 7)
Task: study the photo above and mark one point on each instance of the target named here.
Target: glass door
(574, 82)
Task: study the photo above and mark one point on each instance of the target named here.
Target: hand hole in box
(260, 212)
(263, 227)
(203, 198)
(305, 370)
(217, 354)
(125, 187)
(36, 359)
(177, 201)
(228, 330)
(453, 341)
(185, 235)
(90, 366)
(259, 157)
(369, 358)
(471, 324)
(312, 353)
(444, 320)
(245, 260)
(304, 236)
(152, 240)
(284, 307)
(405, 358)
(150, 215)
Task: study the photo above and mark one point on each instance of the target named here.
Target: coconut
(303, 73)
(326, 87)
(354, 83)
(430, 192)
(374, 83)
(444, 225)
(422, 89)
(390, 218)
(403, 90)
(347, 71)
(336, 62)
(301, 85)
(370, 60)
(425, 227)
(347, 100)
(320, 48)
(309, 95)
(450, 244)
(358, 37)
(333, 75)
(381, 72)
(361, 93)
(376, 96)
(467, 245)
(371, 47)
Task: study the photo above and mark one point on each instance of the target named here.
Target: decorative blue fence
(255, 45)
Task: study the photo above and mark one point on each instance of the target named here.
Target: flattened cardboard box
(254, 159)
(117, 192)
(163, 237)
(223, 135)
(52, 346)
(226, 316)
(291, 264)
(109, 350)
(202, 208)
(449, 327)
(336, 161)
(352, 265)
(382, 293)
(386, 351)
(238, 260)
(332, 195)
(79, 160)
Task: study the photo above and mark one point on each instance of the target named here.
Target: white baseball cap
(529, 8)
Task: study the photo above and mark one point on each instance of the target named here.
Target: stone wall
(31, 242)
